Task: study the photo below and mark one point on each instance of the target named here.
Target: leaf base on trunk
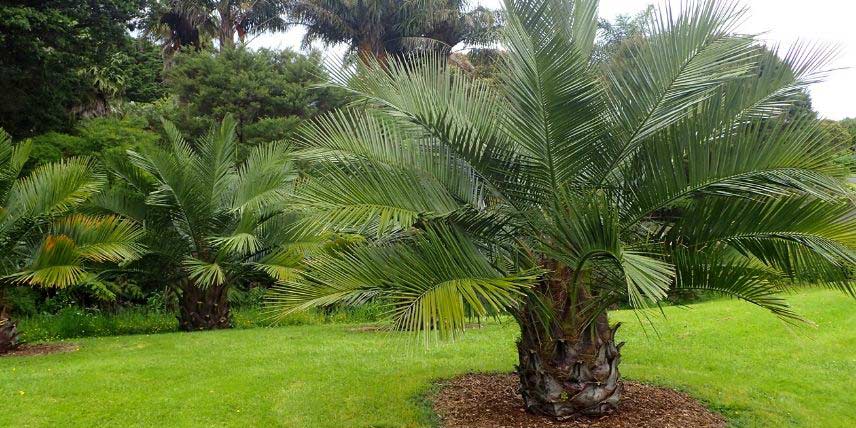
(571, 376)
(204, 309)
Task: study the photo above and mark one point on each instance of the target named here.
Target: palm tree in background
(43, 243)
(195, 23)
(570, 187)
(377, 28)
(210, 219)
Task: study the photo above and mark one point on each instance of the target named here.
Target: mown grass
(735, 357)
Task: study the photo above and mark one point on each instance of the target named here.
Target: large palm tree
(377, 28)
(570, 188)
(210, 220)
(43, 242)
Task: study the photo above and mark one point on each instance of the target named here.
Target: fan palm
(377, 28)
(570, 188)
(42, 242)
(209, 219)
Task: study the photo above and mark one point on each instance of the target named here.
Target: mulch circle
(29, 350)
(492, 401)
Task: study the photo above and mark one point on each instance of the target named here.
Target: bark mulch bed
(492, 401)
(29, 350)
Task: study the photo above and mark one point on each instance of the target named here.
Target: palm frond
(430, 283)
(101, 239)
(687, 59)
(204, 274)
(368, 196)
(556, 101)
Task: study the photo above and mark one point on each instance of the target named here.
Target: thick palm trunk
(8, 334)
(570, 366)
(203, 308)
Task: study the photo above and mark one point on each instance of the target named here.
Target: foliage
(840, 135)
(266, 91)
(93, 137)
(379, 27)
(850, 125)
(676, 167)
(281, 381)
(75, 322)
(142, 72)
(45, 48)
(44, 243)
(615, 37)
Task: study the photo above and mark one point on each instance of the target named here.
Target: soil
(492, 401)
(29, 350)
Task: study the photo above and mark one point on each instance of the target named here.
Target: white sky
(780, 21)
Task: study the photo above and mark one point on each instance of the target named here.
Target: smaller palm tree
(210, 220)
(42, 242)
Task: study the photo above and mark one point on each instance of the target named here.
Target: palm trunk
(569, 367)
(203, 308)
(368, 52)
(8, 334)
(226, 31)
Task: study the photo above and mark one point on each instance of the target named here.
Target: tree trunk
(368, 52)
(203, 308)
(8, 334)
(569, 367)
(226, 31)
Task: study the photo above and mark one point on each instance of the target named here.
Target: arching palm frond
(431, 281)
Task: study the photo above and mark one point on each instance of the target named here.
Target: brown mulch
(492, 401)
(29, 350)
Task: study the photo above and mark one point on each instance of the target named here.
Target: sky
(780, 22)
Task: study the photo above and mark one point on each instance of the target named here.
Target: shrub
(74, 322)
(94, 137)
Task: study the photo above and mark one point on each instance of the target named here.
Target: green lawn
(734, 356)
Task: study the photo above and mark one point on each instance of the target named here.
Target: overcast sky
(780, 21)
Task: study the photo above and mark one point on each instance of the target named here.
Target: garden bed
(492, 401)
(41, 349)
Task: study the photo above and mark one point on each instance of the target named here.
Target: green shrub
(94, 137)
(112, 134)
(53, 146)
(251, 85)
(270, 129)
(22, 301)
(74, 322)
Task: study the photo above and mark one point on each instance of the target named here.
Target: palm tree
(193, 22)
(377, 28)
(210, 220)
(42, 242)
(570, 188)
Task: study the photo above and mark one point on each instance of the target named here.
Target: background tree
(209, 219)
(268, 92)
(143, 72)
(573, 187)
(377, 28)
(46, 47)
(42, 242)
